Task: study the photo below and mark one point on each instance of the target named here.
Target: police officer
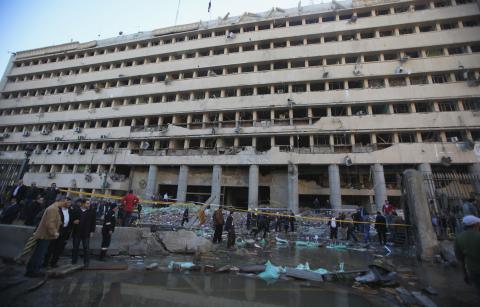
(107, 229)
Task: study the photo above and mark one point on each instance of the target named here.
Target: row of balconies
(253, 32)
(188, 79)
(280, 121)
(163, 65)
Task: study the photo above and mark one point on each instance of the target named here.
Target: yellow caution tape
(230, 208)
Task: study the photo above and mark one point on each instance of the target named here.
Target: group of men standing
(62, 220)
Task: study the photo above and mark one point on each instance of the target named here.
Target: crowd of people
(58, 218)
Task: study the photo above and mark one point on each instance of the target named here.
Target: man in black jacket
(19, 191)
(108, 228)
(56, 247)
(83, 228)
(381, 227)
(50, 194)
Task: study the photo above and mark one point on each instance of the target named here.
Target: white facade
(323, 101)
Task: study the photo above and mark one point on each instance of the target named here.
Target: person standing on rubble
(108, 228)
(129, 202)
(333, 229)
(291, 219)
(381, 228)
(218, 225)
(185, 216)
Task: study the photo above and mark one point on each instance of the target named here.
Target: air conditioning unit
(6, 135)
(399, 70)
(109, 150)
(70, 150)
(81, 137)
(37, 151)
(81, 151)
(211, 73)
(45, 132)
(26, 133)
(77, 129)
(167, 80)
(404, 58)
(357, 72)
(446, 161)
(454, 139)
(47, 151)
(105, 185)
(103, 136)
(57, 138)
(348, 161)
(144, 145)
(51, 175)
(88, 178)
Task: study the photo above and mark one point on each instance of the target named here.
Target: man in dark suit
(83, 228)
(19, 191)
(50, 194)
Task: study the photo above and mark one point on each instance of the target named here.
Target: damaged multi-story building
(327, 101)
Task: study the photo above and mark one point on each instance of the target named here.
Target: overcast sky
(28, 24)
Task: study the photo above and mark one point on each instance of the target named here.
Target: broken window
(281, 89)
(454, 136)
(339, 111)
(313, 40)
(317, 86)
(418, 79)
(330, 38)
(359, 110)
(456, 50)
(311, 20)
(279, 44)
(472, 104)
(336, 85)
(334, 61)
(449, 25)
(341, 139)
(364, 14)
(400, 108)
(390, 56)
(263, 90)
(295, 22)
(264, 27)
(294, 43)
(328, 18)
(413, 54)
(427, 28)
(406, 137)
(422, 107)
(345, 16)
(279, 24)
(385, 33)
(432, 52)
(376, 83)
(246, 91)
(297, 64)
(384, 11)
(470, 23)
(348, 37)
(401, 9)
(371, 58)
(441, 78)
(380, 109)
(398, 81)
(352, 59)
(448, 106)
(406, 30)
(365, 35)
(299, 88)
(263, 67)
(430, 136)
(355, 84)
(280, 65)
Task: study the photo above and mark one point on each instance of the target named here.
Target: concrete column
(420, 218)
(216, 184)
(379, 186)
(292, 187)
(151, 188)
(182, 183)
(253, 187)
(334, 184)
(474, 169)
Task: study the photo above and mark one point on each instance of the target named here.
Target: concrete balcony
(403, 153)
(373, 23)
(327, 124)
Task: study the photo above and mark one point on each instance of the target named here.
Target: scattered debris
(152, 266)
(378, 275)
(422, 299)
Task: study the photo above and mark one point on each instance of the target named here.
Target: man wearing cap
(467, 250)
(107, 229)
(47, 230)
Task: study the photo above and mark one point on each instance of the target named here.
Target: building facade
(330, 102)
